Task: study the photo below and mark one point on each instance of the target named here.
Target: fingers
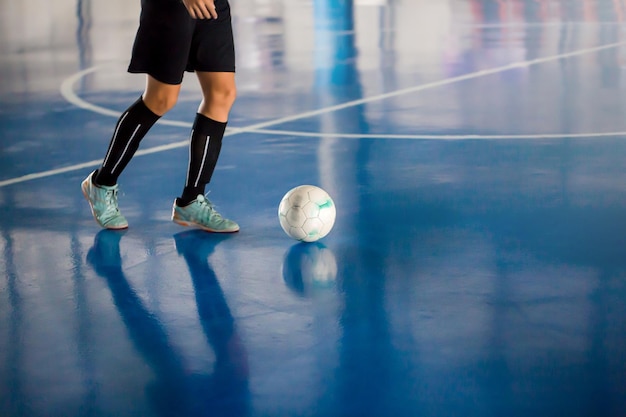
(213, 12)
(203, 10)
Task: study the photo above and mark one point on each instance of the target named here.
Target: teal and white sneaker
(103, 202)
(201, 213)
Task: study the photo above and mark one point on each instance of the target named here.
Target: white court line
(67, 92)
(297, 133)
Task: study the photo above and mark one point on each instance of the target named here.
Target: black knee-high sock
(204, 150)
(131, 127)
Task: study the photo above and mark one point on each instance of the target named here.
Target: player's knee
(160, 103)
(224, 96)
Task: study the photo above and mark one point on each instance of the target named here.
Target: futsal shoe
(103, 202)
(201, 213)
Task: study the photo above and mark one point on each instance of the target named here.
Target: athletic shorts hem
(174, 81)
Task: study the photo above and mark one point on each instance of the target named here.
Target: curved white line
(67, 91)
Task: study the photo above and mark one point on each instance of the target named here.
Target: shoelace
(111, 200)
(206, 205)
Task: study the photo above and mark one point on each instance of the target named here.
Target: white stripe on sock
(206, 150)
(189, 166)
(126, 149)
(106, 158)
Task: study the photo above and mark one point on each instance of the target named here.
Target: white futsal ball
(307, 213)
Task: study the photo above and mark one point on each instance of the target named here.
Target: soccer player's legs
(161, 50)
(193, 208)
(213, 58)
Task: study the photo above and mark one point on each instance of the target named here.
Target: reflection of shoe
(202, 214)
(105, 252)
(196, 243)
(103, 202)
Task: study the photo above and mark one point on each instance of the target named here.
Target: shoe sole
(199, 226)
(83, 187)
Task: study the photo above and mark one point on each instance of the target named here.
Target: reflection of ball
(309, 268)
(307, 213)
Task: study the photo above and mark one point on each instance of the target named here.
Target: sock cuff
(143, 112)
(208, 126)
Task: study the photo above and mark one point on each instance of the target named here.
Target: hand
(201, 9)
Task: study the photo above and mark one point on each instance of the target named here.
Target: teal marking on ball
(327, 204)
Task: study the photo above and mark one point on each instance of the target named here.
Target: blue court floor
(475, 150)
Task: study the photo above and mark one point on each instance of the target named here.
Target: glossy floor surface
(474, 149)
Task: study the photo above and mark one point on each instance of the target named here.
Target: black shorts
(169, 42)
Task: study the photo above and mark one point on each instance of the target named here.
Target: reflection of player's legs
(231, 369)
(192, 208)
(100, 188)
(145, 330)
